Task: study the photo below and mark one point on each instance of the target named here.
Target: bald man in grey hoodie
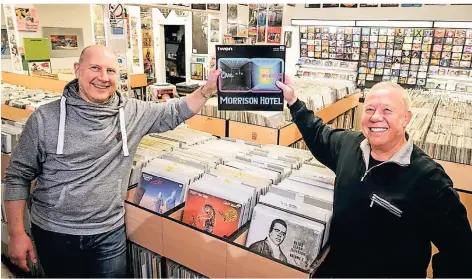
(80, 150)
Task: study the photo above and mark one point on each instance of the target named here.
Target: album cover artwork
(211, 214)
(157, 193)
(249, 75)
(277, 235)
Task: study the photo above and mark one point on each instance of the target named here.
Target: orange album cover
(211, 214)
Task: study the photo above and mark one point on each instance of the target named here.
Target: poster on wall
(312, 6)
(147, 43)
(135, 41)
(288, 39)
(116, 13)
(274, 34)
(99, 25)
(200, 33)
(39, 68)
(215, 30)
(389, 5)
(61, 42)
(232, 29)
(369, 5)
(5, 44)
(249, 75)
(196, 70)
(261, 34)
(199, 6)
(242, 30)
(330, 5)
(65, 42)
(213, 7)
(348, 5)
(232, 13)
(27, 19)
(15, 55)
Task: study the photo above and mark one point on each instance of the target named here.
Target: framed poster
(196, 71)
(288, 39)
(213, 7)
(64, 42)
(199, 6)
(200, 33)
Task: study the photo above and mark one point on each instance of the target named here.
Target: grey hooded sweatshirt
(81, 156)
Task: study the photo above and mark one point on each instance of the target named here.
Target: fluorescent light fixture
(323, 22)
(453, 24)
(393, 23)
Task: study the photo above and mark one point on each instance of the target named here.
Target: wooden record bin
(289, 133)
(212, 125)
(207, 254)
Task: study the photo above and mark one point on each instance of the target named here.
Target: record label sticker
(249, 75)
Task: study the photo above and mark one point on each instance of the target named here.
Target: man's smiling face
(98, 74)
(385, 118)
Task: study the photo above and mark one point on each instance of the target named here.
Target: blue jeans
(75, 256)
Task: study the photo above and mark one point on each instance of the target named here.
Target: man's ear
(76, 69)
(408, 116)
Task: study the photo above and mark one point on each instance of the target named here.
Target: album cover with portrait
(249, 75)
(289, 238)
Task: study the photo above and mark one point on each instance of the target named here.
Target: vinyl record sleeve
(249, 75)
(212, 214)
(286, 237)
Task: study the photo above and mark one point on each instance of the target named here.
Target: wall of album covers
(55, 16)
(397, 11)
(403, 55)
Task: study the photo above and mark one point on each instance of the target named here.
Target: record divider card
(249, 75)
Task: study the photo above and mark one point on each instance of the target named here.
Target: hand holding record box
(249, 75)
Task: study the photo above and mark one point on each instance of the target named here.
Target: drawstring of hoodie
(62, 124)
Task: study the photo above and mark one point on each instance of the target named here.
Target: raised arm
(168, 115)
(323, 142)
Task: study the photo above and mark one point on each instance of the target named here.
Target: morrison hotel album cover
(249, 75)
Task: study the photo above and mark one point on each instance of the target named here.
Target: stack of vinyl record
(25, 98)
(144, 263)
(291, 222)
(318, 94)
(272, 119)
(164, 182)
(185, 135)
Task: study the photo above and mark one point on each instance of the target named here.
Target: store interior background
(80, 16)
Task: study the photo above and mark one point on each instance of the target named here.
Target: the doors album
(249, 75)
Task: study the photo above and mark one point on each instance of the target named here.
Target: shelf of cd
(212, 125)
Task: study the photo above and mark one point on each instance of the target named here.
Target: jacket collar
(402, 157)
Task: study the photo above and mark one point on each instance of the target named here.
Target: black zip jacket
(385, 218)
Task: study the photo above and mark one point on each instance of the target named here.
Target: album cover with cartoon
(248, 77)
(211, 214)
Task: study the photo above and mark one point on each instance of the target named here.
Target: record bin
(207, 254)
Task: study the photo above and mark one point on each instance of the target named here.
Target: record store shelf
(210, 255)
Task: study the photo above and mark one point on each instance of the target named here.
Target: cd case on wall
(249, 75)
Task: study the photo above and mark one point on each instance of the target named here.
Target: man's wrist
(292, 101)
(207, 94)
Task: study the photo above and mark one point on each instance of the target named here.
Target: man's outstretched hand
(287, 88)
(210, 87)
